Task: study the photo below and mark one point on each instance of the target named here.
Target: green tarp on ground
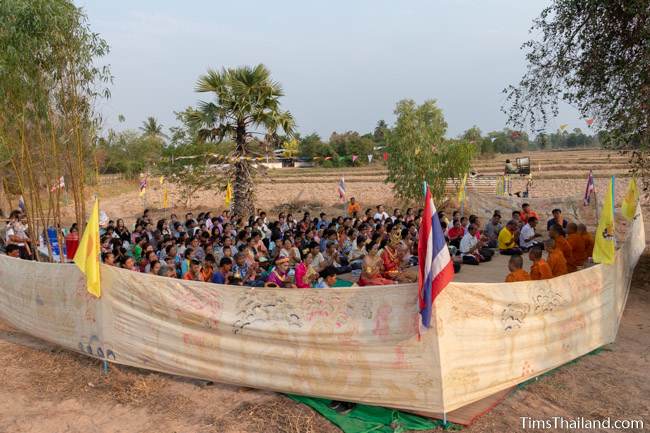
(366, 419)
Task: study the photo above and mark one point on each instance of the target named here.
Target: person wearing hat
(280, 274)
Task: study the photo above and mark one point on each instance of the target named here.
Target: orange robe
(557, 262)
(518, 275)
(540, 270)
(563, 245)
(578, 248)
(589, 243)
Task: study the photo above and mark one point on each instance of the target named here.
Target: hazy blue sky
(343, 64)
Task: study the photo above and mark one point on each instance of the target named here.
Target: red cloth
(71, 244)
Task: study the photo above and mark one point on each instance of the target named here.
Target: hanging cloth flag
(87, 256)
(515, 134)
(228, 198)
(591, 189)
(436, 269)
(21, 203)
(385, 156)
(604, 248)
(143, 186)
(563, 126)
(369, 158)
(628, 208)
(461, 190)
(354, 158)
(60, 185)
(327, 158)
(589, 121)
(341, 189)
(161, 180)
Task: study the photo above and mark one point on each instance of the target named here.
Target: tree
(418, 151)
(50, 81)
(595, 55)
(290, 148)
(152, 128)
(246, 103)
(189, 163)
(379, 132)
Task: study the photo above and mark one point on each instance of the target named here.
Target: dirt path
(47, 390)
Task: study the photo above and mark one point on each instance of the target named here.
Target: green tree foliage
(128, 152)
(151, 128)
(351, 143)
(418, 151)
(379, 133)
(311, 145)
(595, 55)
(190, 163)
(50, 79)
(246, 104)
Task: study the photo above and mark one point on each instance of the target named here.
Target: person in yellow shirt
(540, 270)
(515, 265)
(507, 240)
(354, 208)
(555, 259)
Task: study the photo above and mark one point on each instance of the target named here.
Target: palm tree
(152, 128)
(246, 103)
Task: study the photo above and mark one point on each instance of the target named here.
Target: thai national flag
(436, 267)
(591, 189)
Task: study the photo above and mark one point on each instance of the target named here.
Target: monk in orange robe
(557, 234)
(516, 274)
(540, 270)
(556, 259)
(577, 243)
(588, 240)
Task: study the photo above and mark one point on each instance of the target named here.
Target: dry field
(48, 390)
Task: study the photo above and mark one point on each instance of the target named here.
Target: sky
(343, 65)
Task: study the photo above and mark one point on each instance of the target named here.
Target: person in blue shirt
(220, 276)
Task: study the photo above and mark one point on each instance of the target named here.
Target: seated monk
(555, 259)
(588, 240)
(372, 268)
(540, 270)
(557, 234)
(515, 265)
(577, 243)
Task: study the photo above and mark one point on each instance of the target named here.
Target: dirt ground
(48, 390)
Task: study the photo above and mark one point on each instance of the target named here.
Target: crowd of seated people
(377, 247)
(568, 248)
(286, 252)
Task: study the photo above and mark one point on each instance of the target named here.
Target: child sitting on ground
(515, 265)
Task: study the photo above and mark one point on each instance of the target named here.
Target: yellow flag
(87, 256)
(165, 201)
(563, 127)
(461, 190)
(628, 208)
(161, 180)
(604, 250)
(228, 194)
